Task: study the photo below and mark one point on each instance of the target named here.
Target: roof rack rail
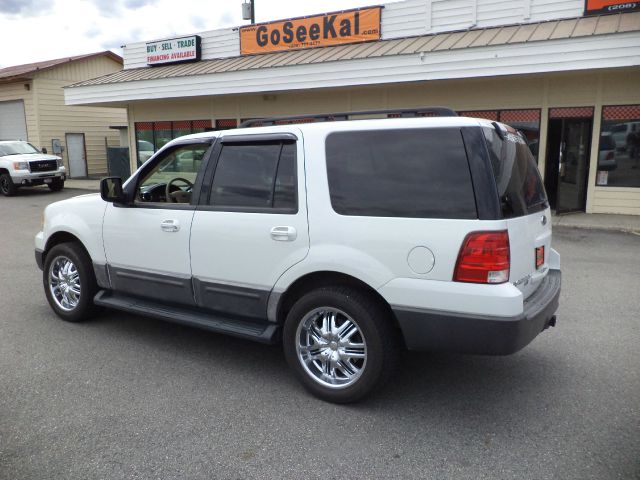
(332, 117)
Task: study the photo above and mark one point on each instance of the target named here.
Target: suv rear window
(420, 173)
(520, 187)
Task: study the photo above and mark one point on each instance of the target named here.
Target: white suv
(346, 241)
(23, 165)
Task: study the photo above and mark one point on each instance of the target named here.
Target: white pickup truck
(23, 165)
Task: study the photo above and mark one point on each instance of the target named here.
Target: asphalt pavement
(125, 396)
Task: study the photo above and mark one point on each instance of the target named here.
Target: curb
(607, 228)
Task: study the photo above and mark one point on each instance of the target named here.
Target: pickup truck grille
(43, 165)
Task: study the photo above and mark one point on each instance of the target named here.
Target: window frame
(252, 139)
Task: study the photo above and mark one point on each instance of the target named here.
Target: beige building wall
(572, 89)
(55, 119)
(18, 91)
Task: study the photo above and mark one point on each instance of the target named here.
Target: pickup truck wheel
(56, 185)
(7, 187)
(69, 282)
(340, 343)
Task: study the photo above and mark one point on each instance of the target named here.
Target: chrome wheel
(64, 283)
(331, 347)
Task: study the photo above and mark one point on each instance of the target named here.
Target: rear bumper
(464, 333)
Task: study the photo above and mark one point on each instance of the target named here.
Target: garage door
(13, 125)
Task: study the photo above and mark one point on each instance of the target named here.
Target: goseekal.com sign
(609, 6)
(173, 50)
(349, 26)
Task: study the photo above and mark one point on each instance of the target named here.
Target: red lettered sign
(592, 7)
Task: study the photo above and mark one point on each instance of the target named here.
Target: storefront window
(226, 123)
(525, 120)
(152, 136)
(619, 147)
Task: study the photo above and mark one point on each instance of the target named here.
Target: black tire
(7, 187)
(84, 307)
(56, 185)
(372, 321)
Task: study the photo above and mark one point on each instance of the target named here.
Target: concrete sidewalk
(599, 221)
(596, 221)
(82, 184)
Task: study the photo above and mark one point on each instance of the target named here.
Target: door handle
(170, 225)
(283, 234)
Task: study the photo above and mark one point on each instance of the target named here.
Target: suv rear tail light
(483, 258)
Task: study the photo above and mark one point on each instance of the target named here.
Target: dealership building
(565, 72)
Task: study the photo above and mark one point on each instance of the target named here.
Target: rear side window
(419, 173)
(255, 176)
(520, 187)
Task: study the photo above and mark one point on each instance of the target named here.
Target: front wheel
(7, 187)
(56, 185)
(340, 343)
(69, 282)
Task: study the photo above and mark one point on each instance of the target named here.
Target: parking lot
(124, 396)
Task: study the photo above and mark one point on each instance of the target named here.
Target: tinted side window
(260, 176)
(420, 173)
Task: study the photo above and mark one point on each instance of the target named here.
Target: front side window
(419, 173)
(255, 176)
(172, 178)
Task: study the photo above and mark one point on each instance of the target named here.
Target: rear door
(524, 207)
(251, 224)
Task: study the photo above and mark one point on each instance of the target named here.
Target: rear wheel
(7, 187)
(340, 343)
(69, 282)
(56, 185)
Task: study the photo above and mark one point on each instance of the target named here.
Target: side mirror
(111, 190)
(44, 150)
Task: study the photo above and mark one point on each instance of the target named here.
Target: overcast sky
(35, 30)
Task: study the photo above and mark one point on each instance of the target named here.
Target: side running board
(260, 332)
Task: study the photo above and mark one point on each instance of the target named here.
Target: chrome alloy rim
(331, 347)
(64, 283)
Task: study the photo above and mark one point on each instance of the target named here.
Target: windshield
(17, 148)
(520, 187)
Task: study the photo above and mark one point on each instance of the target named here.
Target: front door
(77, 155)
(147, 243)
(567, 166)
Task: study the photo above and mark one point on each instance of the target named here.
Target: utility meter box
(246, 11)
